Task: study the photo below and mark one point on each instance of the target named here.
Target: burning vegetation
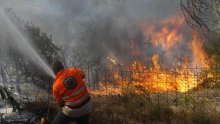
(175, 64)
(154, 65)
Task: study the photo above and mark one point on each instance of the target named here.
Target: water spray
(22, 44)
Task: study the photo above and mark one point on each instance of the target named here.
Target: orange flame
(200, 58)
(167, 34)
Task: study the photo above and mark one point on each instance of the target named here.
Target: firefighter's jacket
(70, 90)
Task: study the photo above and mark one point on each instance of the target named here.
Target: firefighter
(71, 93)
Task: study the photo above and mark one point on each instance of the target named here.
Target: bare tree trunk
(3, 76)
(17, 81)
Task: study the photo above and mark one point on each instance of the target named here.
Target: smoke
(96, 29)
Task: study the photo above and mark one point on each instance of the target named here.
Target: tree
(23, 68)
(204, 16)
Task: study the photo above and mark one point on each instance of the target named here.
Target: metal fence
(119, 95)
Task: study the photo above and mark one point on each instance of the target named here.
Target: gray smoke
(96, 29)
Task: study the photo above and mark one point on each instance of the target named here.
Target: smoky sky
(63, 18)
(94, 27)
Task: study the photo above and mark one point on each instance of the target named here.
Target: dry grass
(140, 108)
(143, 108)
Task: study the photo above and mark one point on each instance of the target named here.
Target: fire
(157, 80)
(166, 35)
(155, 62)
(200, 57)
